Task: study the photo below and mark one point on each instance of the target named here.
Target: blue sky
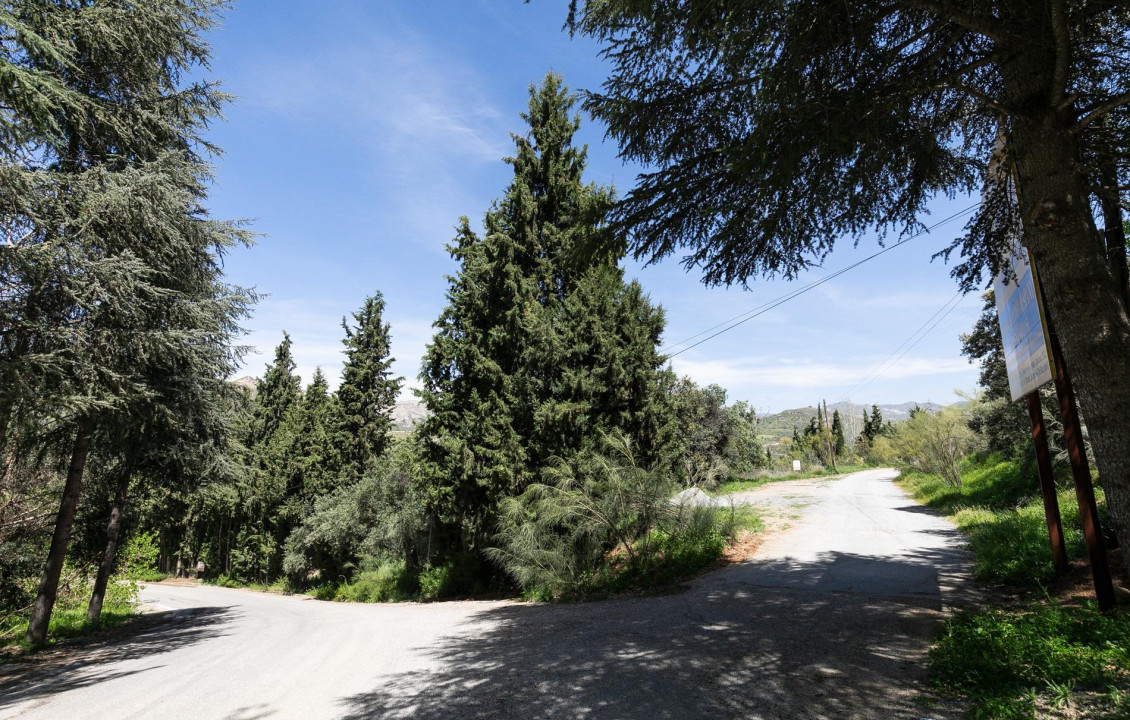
(363, 129)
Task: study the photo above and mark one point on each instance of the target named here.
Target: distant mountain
(246, 383)
(407, 415)
(780, 425)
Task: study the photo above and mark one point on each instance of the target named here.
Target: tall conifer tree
(111, 265)
(541, 346)
(368, 388)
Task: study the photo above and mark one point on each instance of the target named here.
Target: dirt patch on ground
(743, 548)
(1077, 586)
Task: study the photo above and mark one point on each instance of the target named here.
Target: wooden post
(1047, 483)
(1084, 490)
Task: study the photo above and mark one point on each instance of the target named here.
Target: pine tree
(541, 346)
(111, 266)
(368, 390)
(274, 477)
(876, 422)
(276, 394)
(317, 466)
(838, 433)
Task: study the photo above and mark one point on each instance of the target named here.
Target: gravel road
(831, 620)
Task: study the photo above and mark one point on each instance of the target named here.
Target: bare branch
(980, 24)
(977, 94)
(1102, 110)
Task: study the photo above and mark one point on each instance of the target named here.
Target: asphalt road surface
(831, 620)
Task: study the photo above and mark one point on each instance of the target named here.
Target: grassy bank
(1036, 657)
(999, 507)
(68, 620)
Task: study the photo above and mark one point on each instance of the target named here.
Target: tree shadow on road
(761, 640)
(76, 664)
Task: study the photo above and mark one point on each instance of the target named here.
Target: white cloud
(418, 117)
(761, 372)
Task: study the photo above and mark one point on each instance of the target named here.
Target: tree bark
(1113, 230)
(49, 583)
(1084, 299)
(113, 533)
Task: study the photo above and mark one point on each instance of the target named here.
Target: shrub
(388, 582)
(607, 524)
(138, 557)
(936, 443)
(462, 575)
(380, 516)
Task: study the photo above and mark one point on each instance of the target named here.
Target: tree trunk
(1084, 298)
(49, 583)
(113, 533)
(1113, 230)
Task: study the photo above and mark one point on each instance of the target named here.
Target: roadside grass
(1013, 663)
(673, 557)
(68, 618)
(768, 476)
(282, 585)
(1039, 658)
(999, 508)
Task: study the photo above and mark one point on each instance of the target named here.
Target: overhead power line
(891, 360)
(745, 317)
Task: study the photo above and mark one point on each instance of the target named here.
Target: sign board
(1027, 350)
(796, 465)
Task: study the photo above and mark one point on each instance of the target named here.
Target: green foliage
(1006, 660)
(605, 523)
(137, 558)
(935, 443)
(1000, 509)
(379, 517)
(542, 345)
(389, 582)
(711, 441)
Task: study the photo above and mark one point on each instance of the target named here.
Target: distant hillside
(246, 383)
(407, 415)
(780, 425)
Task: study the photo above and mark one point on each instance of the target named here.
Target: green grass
(766, 477)
(1011, 662)
(1017, 663)
(68, 619)
(999, 508)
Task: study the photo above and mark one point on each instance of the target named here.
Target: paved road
(832, 620)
